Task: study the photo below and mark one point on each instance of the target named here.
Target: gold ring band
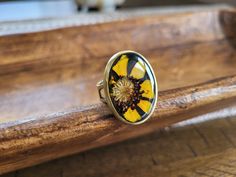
(100, 88)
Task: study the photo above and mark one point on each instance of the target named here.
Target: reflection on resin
(131, 87)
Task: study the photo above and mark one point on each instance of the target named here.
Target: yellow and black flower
(131, 87)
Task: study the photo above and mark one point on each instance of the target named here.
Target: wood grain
(36, 71)
(74, 45)
(32, 141)
(48, 99)
(206, 148)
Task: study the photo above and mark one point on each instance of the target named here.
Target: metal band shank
(100, 88)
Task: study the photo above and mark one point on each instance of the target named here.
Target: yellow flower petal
(147, 87)
(144, 105)
(132, 115)
(121, 66)
(112, 81)
(138, 70)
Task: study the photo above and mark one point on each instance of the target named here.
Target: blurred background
(37, 9)
(25, 16)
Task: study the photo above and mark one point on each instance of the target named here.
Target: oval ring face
(130, 87)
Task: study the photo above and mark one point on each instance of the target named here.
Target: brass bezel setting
(105, 86)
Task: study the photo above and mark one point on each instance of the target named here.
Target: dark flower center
(126, 93)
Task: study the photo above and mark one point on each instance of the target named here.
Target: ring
(129, 87)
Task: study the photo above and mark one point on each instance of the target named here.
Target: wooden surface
(199, 149)
(49, 104)
(49, 137)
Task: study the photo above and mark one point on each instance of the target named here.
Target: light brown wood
(49, 104)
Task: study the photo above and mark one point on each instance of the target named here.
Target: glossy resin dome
(130, 87)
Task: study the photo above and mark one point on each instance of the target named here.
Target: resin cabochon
(130, 69)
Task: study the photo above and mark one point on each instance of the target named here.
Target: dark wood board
(206, 148)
